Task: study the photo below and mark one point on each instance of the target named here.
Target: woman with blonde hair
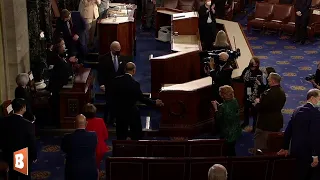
(227, 118)
(221, 41)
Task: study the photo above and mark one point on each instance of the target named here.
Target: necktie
(116, 63)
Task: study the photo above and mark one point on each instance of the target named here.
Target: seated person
(221, 41)
(21, 91)
(80, 148)
(97, 125)
(228, 118)
(72, 28)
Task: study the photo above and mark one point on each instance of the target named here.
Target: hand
(299, 13)
(159, 103)
(229, 10)
(215, 105)
(154, 1)
(257, 100)
(258, 82)
(315, 162)
(75, 37)
(283, 152)
(34, 161)
(103, 88)
(73, 59)
(211, 63)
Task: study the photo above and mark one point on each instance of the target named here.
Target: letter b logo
(20, 161)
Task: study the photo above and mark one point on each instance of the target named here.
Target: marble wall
(15, 44)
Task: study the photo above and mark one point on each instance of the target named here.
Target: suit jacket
(21, 92)
(60, 74)
(221, 76)
(303, 132)
(126, 93)
(17, 133)
(220, 7)
(203, 17)
(269, 109)
(303, 6)
(89, 8)
(106, 71)
(80, 149)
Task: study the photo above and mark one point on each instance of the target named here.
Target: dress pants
(208, 35)
(92, 23)
(306, 172)
(301, 27)
(109, 117)
(131, 120)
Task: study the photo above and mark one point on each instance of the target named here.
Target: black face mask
(116, 53)
(222, 62)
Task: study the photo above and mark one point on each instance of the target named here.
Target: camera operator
(220, 72)
(315, 79)
(252, 78)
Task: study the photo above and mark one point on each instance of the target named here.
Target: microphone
(234, 41)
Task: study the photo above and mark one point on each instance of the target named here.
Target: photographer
(221, 72)
(315, 79)
(252, 78)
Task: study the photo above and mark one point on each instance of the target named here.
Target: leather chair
(314, 23)
(186, 5)
(289, 27)
(315, 4)
(273, 1)
(281, 15)
(262, 14)
(275, 141)
(172, 4)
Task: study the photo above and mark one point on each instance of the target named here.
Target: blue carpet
(292, 61)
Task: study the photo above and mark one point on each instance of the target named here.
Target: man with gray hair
(303, 133)
(269, 108)
(217, 172)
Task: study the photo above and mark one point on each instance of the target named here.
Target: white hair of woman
(217, 172)
(22, 79)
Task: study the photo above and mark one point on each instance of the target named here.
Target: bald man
(125, 94)
(80, 149)
(217, 172)
(220, 72)
(110, 66)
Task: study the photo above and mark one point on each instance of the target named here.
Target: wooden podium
(74, 97)
(122, 29)
(188, 110)
(174, 68)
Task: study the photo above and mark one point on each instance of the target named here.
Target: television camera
(310, 77)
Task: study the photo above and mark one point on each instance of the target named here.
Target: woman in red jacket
(97, 125)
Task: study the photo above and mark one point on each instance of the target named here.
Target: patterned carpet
(293, 62)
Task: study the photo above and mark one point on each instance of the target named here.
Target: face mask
(208, 3)
(117, 53)
(222, 62)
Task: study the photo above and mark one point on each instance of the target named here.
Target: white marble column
(15, 45)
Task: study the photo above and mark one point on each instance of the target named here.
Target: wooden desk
(188, 110)
(174, 68)
(164, 17)
(74, 97)
(122, 29)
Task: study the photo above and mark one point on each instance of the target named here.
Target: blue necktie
(116, 63)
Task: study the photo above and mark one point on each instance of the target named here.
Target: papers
(316, 12)
(31, 76)
(9, 109)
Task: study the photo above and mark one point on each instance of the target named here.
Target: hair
(89, 111)
(270, 70)
(18, 104)
(256, 60)
(22, 79)
(65, 13)
(275, 76)
(217, 172)
(221, 39)
(130, 67)
(313, 93)
(226, 92)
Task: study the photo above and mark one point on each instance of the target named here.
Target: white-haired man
(217, 172)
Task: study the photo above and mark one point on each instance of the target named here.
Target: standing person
(252, 78)
(125, 94)
(150, 10)
(302, 19)
(269, 106)
(207, 24)
(304, 135)
(90, 12)
(228, 118)
(110, 66)
(221, 7)
(17, 133)
(80, 148)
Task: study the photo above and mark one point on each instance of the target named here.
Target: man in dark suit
(269, 108)
(72, 28)
(110, 66)
(303, 132)
(221, 7)
(80, 149)
(17, 133)
(125, 94)
(302, 19)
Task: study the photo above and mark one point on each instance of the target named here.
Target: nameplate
(316, 12)
(31, 76)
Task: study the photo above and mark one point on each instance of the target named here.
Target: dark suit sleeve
(32, 144)
(65, 143)
(142, 98)
(102, 71)
(314, 136)
(225, 75)
(288, 134)
(266, 101)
